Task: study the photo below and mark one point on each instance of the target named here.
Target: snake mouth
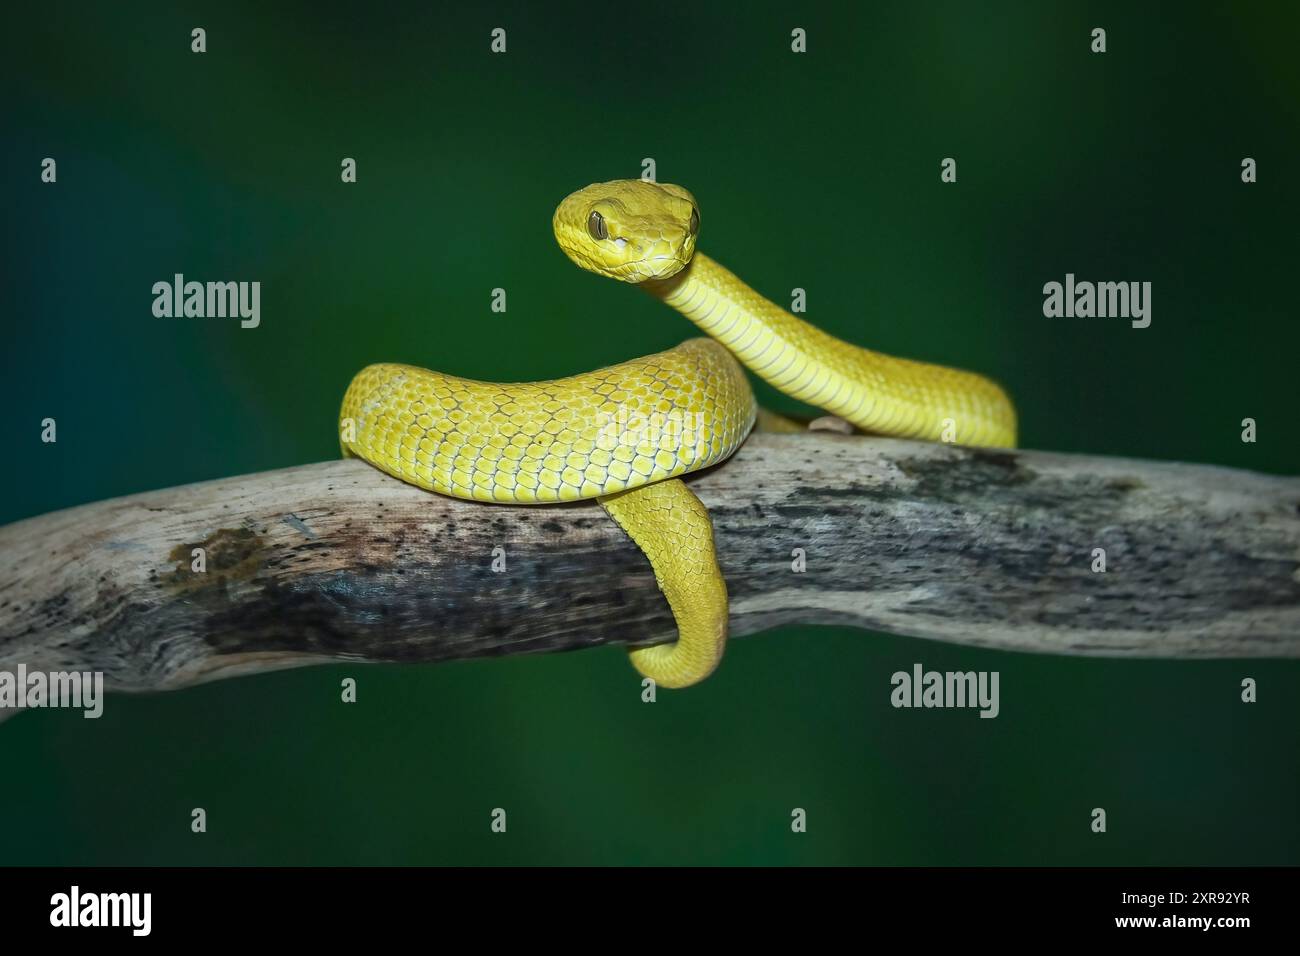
(652, 267)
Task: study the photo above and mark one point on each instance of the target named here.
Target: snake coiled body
(561, 440)
(624, 434)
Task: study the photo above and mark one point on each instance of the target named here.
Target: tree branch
(978, 547)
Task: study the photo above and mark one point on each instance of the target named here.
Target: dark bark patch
(231, 555)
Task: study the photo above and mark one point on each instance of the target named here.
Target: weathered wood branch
(338, 561)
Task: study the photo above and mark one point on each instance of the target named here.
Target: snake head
(628, 229)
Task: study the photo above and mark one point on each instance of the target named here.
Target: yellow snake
(624, 434)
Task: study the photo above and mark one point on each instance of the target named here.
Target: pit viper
(624, 435)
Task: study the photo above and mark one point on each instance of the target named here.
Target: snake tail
(671, 526)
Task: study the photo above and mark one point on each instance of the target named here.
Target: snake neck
(878, 393)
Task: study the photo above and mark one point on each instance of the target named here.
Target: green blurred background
(817, 170)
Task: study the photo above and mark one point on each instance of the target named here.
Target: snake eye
(694, 224)
(596, 226)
